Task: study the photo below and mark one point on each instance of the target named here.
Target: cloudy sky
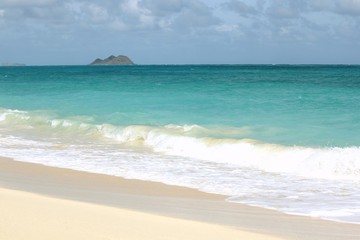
(42, 32)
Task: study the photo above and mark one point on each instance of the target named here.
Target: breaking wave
(195, 142)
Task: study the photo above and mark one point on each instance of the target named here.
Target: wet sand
(40, 202)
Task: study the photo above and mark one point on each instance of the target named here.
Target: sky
(71, 32)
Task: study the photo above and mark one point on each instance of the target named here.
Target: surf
(193, 141)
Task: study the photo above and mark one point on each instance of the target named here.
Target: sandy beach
(40, 202)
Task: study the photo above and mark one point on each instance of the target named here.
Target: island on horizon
(12, 64)
(112, 60)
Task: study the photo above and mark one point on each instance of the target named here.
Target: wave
(195, 142)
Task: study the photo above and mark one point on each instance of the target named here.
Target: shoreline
(157, 200)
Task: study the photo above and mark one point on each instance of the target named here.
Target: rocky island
(112, 60)
(13, 64)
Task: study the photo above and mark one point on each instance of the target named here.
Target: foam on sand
(114, 208)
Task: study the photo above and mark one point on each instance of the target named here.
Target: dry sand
(39, 202)
(29, 216)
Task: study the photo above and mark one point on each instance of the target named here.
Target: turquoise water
(291, 105)
(257, 133)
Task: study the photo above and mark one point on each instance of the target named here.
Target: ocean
(284, 137)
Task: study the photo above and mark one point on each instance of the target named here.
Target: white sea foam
(249, 171)
(184, 141)
(332, 163)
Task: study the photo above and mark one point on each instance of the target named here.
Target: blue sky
(47, 32)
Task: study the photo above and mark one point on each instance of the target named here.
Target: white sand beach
(40, 202)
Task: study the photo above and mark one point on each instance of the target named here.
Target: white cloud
(135, 16)
(166, 14)
(321, 5)
(124, 15)
(150, 23)
(351, 7)
(286, 8)
(118, 25)
(162, 8)
(227, 28)
(296, 20)
(196, 14)
(342, 7)
(240, 7)
(97, 13)
(25, 3)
